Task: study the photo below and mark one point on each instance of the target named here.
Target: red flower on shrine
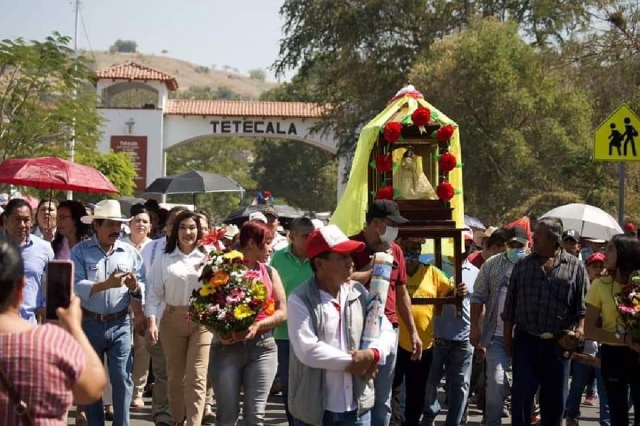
(392, 131)
(445, 191)
(444, 133)
(385, 193)
(384, 163)
(421, 116)
(447, 162)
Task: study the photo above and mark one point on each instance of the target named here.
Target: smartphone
(59, 285)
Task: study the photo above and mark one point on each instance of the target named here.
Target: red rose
(447, 162)
(421, 116)
(385, 193)
(445, 191)
(384, 163)
(444, 133)
(392, 131)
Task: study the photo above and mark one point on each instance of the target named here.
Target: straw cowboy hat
(106, 209)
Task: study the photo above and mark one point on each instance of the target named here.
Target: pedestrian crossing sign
(615, 139)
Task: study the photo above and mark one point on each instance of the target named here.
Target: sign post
(615, 140)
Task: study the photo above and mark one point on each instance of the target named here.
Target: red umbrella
(54, 173)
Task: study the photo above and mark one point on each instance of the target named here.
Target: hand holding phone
(59, 287)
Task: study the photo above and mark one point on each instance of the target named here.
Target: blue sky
(241, 33)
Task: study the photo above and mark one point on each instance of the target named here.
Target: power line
(86, 35)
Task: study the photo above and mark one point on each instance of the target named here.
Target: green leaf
(395, 166)
(372, 164)
(407, 120)
(396, 193)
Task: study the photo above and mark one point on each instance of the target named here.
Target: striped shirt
(494, 274)
(540, 301)
(43, 364)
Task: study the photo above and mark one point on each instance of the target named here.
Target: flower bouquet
(628, 304)
(231, 295)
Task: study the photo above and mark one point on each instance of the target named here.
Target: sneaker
(535, 419)
(81, 418)
(571, 422)
(108, 413)
(591, 400)
(137, 403)
(208, 417)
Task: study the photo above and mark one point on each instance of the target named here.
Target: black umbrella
(285, 214)
(194, 182)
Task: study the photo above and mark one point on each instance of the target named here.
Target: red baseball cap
(331, 238)
(629, 226)
(596, 257)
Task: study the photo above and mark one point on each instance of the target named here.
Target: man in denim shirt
(109, 278)
(36, 253)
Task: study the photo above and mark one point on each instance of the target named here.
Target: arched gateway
(149, 130)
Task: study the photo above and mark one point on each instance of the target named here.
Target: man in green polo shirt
(293, 266)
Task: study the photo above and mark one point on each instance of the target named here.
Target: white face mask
(390, 235)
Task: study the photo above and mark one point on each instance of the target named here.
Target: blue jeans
(497, 364)
(383, 383)
(114, 339)
(454, 359)
(536, 363)
(248, 366)
(578, 383)
(283, 374)
(350, 418)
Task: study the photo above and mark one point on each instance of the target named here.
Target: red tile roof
(243, 108)
(134, 71)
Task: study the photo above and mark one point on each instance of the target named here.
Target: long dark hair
(83, 231)
(627, 256)
(11, 271)
(172, 242)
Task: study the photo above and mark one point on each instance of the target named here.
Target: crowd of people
(531, 297)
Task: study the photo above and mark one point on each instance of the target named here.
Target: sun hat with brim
(231, 231)
(596, 257)
(108, 210)
(331, 239)
(259, 216)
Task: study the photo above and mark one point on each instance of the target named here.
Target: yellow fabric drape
(349, 215)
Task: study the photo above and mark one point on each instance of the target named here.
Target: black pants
(415, 375)
(621, 373)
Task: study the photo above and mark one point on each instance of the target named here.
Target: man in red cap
(630, 229)
(330, 377)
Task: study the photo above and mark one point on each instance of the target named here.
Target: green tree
(258, 74)
(117, 167)
(303, 175)
(124, 46)
(359, 54)
(38, 109)
(228, 157)
(521, 119)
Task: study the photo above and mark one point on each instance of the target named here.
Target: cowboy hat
(106, 209)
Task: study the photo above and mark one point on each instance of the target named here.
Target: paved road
(275, 415)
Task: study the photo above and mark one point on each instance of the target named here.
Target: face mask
(390, 234)
(411, 255)
(516, 254)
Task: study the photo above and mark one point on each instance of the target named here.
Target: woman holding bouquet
(620, 352)
(248, 360)
(172, 279)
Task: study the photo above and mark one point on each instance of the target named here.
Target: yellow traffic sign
(615, 139)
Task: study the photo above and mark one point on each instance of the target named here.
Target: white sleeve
(155, 289)
(306, 344)
(386, 342)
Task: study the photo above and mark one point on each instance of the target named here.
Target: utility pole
(72, 144)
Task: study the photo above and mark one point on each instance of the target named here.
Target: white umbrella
(590, 221)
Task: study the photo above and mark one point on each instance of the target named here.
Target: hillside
(186, 73)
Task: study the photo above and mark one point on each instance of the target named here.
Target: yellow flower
(234, 254)
(242, 312)
(259, 291)
(207, 290)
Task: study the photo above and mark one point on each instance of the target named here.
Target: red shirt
(398, 274)
(476, 259)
